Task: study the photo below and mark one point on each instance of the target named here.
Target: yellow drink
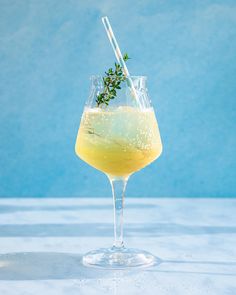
(118, 141)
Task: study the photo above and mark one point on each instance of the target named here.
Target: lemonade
(118, 141)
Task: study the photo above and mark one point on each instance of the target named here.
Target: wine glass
(119, 139)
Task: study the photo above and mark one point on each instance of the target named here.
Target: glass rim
(132, 76)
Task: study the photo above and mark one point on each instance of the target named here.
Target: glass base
(119, 258)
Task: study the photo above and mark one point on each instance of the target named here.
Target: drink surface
(118, 141)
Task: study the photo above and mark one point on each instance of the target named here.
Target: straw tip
(104, 17)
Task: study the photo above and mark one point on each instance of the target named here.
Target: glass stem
(118, 186)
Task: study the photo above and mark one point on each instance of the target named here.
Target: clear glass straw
(119, 56)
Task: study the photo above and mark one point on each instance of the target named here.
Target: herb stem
(111, 82)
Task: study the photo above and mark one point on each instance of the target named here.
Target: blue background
(50, 48)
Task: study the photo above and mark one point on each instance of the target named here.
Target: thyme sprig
(111, 83)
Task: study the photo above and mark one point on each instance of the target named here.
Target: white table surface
(42, 241)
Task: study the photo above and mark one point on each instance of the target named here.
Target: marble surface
(42, 242)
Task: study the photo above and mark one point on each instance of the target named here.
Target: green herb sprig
(111, 83)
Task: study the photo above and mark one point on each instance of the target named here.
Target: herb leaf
(111, 82)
